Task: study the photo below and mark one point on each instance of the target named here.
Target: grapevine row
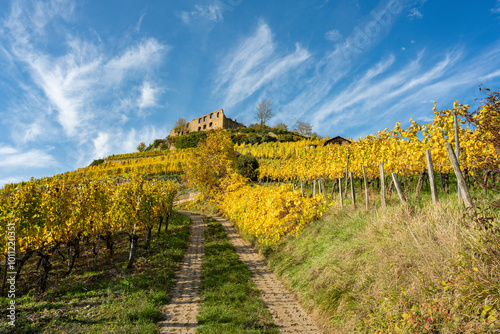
(401, 150)
(62, 213)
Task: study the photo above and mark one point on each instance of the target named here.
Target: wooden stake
(461, 181)
(340, 192)
(382, 183)
(457, 145)
(432, 179)
(353, 195)
(346, 171)
(322, 182)
(366, 186)
(398, 187)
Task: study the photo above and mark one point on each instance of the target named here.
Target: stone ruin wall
(211, 121)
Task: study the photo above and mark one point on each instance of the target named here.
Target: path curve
(287, 313)
(182, 310)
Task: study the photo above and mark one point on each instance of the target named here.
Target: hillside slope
(402, 269)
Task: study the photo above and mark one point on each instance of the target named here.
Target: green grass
(414, 268)
(108, 300)
(231, 302)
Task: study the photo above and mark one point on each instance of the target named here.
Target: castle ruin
(211, 121)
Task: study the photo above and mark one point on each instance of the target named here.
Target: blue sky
(83, 79)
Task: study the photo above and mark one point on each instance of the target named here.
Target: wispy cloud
(375, 88)
(252, 64)
(337, 63)
(13, 158)
(69, 94)
(396, 91)
(333, 35)
(496, 9)
(212, 12)
(4, 149)
(139, 23)
(106, 143)
(415, 13)
(149, 95)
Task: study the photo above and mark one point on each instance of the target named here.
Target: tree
(264, 112)
(212, 161)
(141, 147)
(281, 126)
(181, 126)
(303, 128)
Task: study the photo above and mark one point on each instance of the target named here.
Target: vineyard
(60, 213)
(401, 150)
(297, 183)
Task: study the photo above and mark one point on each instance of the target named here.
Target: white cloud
(77, 82)
(415, 13)
(32, 158)
(397, 91)
(211, 12)
(496, 9)
(337, 63)
(139, 23)
(101, 145)
(333, 35)
(252, 64)
(186, 17)
(149, 95)
(4, 149)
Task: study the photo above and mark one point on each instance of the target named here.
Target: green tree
(281, 127)
(303, 128)
(181, 126)
(141, 147)
(264, 113)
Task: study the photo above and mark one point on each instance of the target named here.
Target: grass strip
(110, 299)
(231, 302)
(400, 269)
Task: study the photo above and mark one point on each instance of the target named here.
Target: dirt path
(287, 313)
(182, 310)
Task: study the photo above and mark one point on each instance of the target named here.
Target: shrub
(97, 162)
(190, 140)
(247, 166)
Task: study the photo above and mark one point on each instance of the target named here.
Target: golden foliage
(269, 213)
(212, 161)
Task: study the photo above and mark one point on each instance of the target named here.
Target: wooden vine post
(353, 195)
(432, 179)
(340, 192)
(366, 186)
(461, 181)
(457, 145)
(324, 190)
(397, 184)
(382, 183)
(346, 172)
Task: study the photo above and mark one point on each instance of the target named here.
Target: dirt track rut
(181, 312)
(287, 313)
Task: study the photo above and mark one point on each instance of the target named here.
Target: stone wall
(211, 121)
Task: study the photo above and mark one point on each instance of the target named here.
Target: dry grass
(406, 268)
